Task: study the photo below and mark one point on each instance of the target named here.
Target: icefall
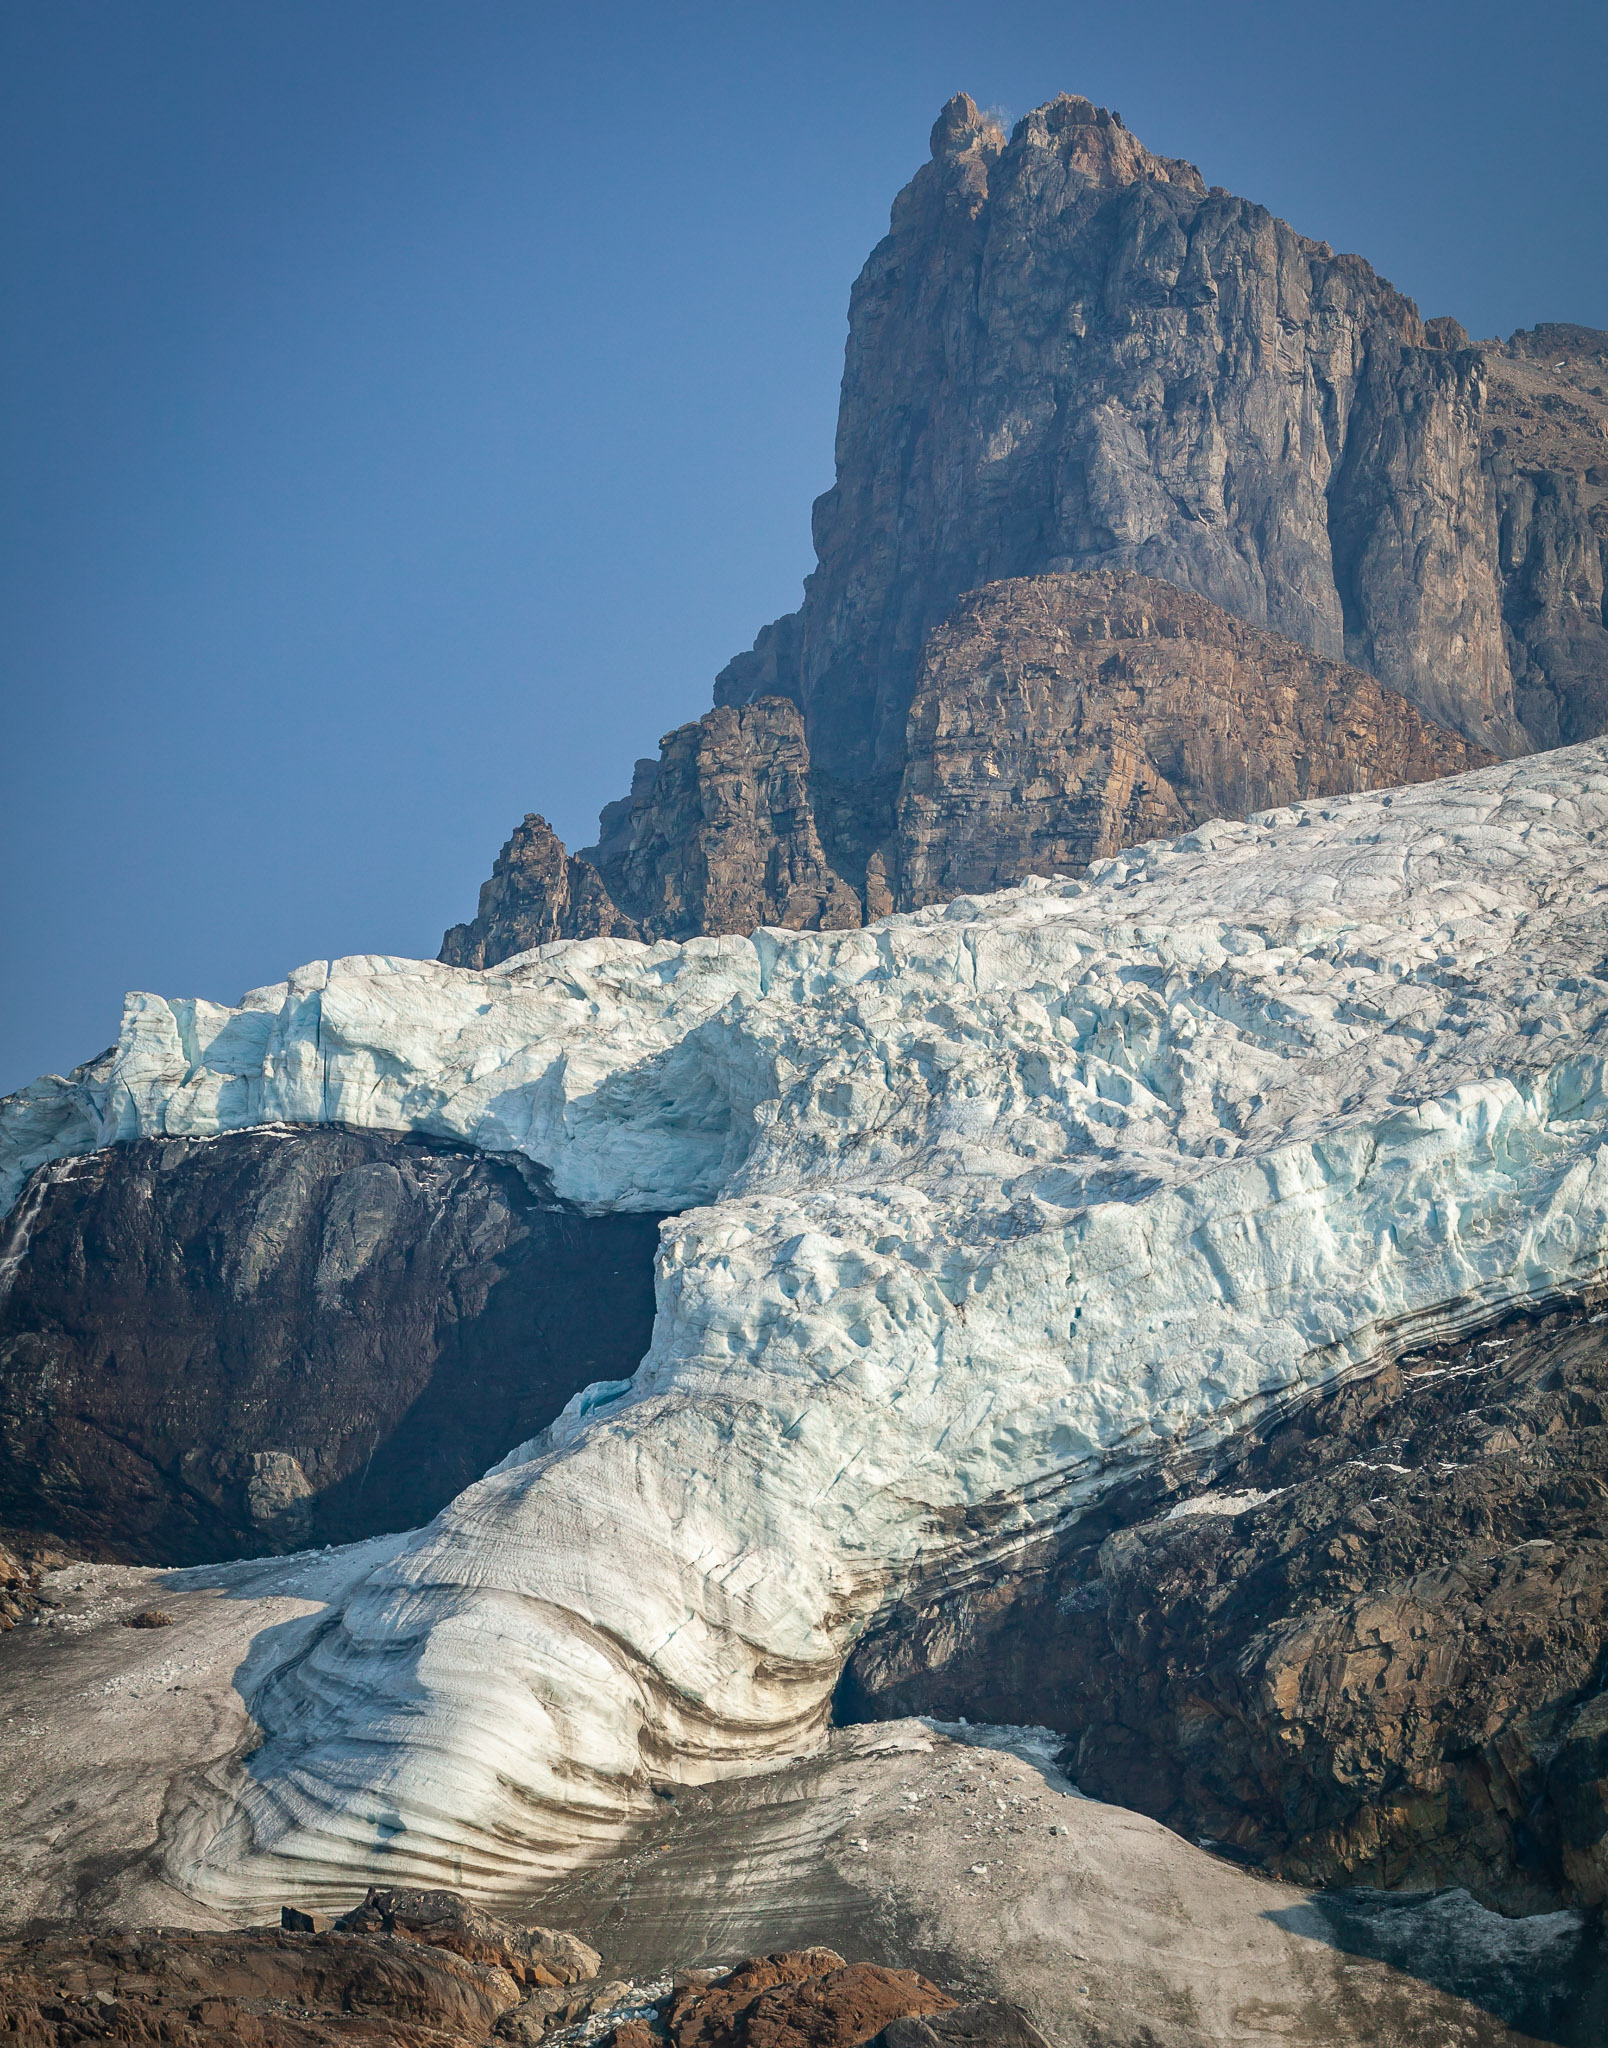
(977, 1206)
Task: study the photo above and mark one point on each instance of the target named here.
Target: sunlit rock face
(980, 1207)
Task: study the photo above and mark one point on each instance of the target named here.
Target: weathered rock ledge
(1055, 719)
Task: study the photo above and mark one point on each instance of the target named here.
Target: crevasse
(977, 1206)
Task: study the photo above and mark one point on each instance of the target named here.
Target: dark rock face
(1055, 719)
(247, 1344)
(1383, 1663)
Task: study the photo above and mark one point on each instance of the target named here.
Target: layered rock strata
(217, 1347)
(981, 1210)
(1059, 719)
(1055, 719)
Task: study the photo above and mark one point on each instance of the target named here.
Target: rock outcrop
(1546, 438)
(1058, 719)
(1054, 720)
(220, 1348)
(1070, 354)
(428, 1970)
(537, 893)
(810, 1998)
(1365, 1644)
(723, 837)
(403, 1970)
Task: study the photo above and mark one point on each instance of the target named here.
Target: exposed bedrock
(1060, 718)
(980, 1212)
(216, 1347)
(537, 893)
(1363, 1643)
(1546, 441)
(1055, 719)
(1068, 353)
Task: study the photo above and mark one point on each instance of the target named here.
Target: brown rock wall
(724, 838)
(537, 894)
(1057, 719)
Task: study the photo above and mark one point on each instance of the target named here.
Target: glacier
(976, 1208)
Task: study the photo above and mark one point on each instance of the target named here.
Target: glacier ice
(976, 1206)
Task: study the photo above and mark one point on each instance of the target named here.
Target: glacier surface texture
(977, 1206)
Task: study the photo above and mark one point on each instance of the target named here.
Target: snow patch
(1220, 1504)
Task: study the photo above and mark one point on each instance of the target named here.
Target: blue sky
(407, 408)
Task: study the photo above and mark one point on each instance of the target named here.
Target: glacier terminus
(974, 1208)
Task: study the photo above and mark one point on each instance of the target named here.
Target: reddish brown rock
(1057, 719)
(808, 1998)
(537, 893)
(402, 1970)
(257, 1989)
(724, 838)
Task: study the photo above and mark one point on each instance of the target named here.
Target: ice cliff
(978, 1205)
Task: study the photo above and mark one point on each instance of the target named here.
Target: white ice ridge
(975, 1202)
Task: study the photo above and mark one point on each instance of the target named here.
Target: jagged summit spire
(959, 125)
(1093, 140)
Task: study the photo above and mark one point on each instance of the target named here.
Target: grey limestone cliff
(1071, 355)
(1546, 435)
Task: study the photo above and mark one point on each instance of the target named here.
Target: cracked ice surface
(975, 1203)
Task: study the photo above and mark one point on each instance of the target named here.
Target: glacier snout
(975, 1206)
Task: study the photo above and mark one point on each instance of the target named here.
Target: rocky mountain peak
(1054, 719)
(1094, 142)
(1069, 358)
(961, 126)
